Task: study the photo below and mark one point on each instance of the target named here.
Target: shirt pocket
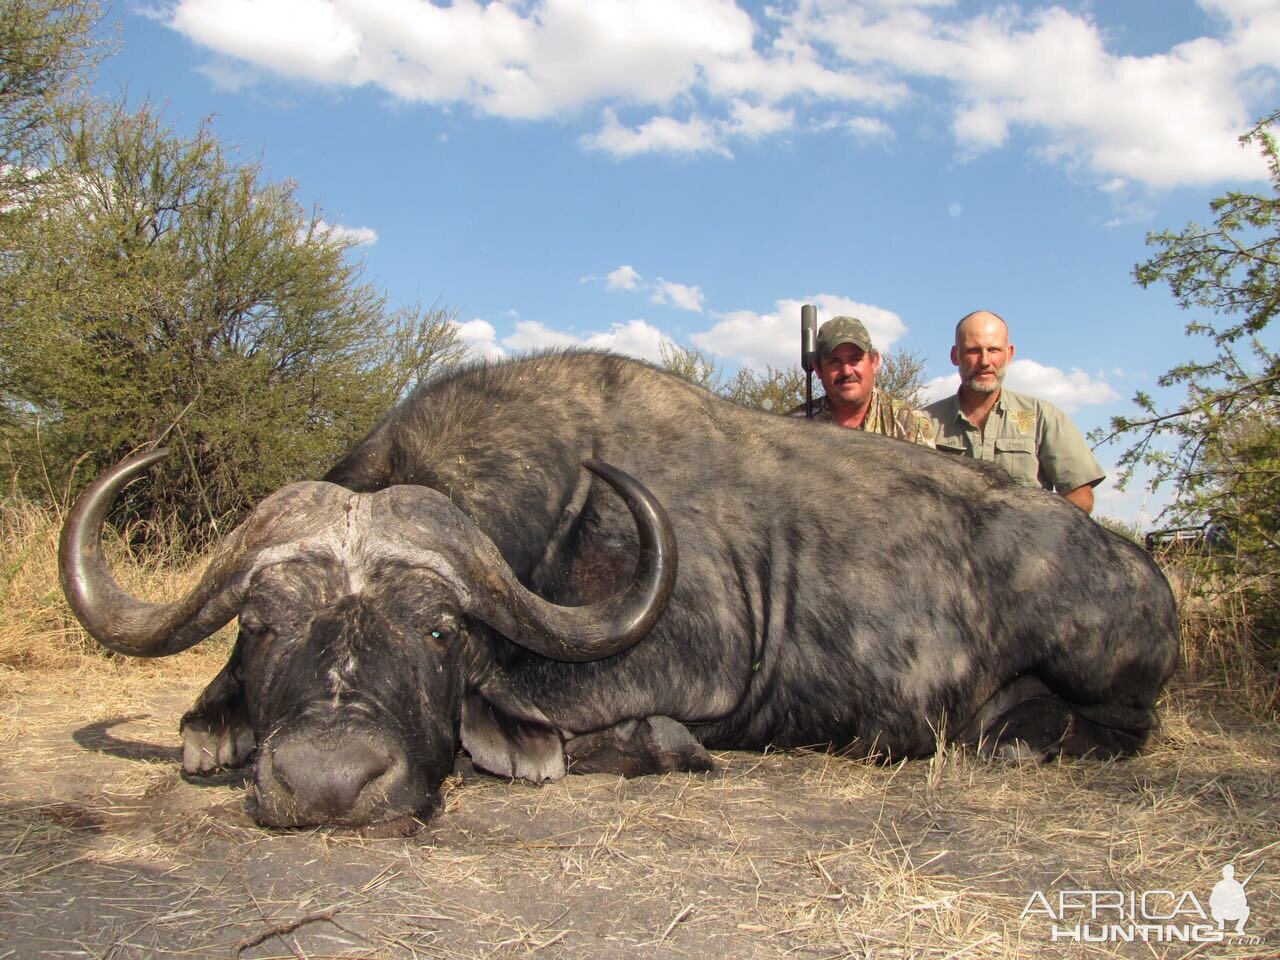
(951, 446)
(1017, 455)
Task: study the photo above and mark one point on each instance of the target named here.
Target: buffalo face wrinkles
(355, 610)
(354, 696)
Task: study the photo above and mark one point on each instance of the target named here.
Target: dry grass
(37, 629)
(1217, 647)
(105, 851)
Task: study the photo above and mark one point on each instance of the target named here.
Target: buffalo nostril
(326, 780)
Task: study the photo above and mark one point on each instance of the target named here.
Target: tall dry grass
(37, 628)
(1220, 646)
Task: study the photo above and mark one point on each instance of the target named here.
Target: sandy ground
(106, 851)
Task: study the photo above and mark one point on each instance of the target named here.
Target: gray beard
(973, 384)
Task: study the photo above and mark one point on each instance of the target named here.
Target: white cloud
(758, 340)
(514, 60)
(678, 295)
(1161, 119)
(662, 292)
(624, 278)
(940, 387)
(353, 236)
(758, 120)
(696, 74)
(658, 135)
(481, 339)
(869, 128)
(310, 39)
(635, 338)
(534, 335)
(1068, 391)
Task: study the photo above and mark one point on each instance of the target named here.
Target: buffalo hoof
(209, 745)
(639, 748)
(1011, 751)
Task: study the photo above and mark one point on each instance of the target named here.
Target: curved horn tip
(111, 616)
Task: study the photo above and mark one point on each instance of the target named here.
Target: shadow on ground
(105, 850)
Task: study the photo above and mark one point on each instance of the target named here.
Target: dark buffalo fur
(834, 587)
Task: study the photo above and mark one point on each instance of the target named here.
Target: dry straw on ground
(107, 852)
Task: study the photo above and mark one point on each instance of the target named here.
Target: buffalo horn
(111, 616)
(492, 593)
(610, 626)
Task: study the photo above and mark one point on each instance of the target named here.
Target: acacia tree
(775, 390)
(781, 390)
(1220, 449)
(902, 375)
(693, 364)
(169, 295)
(46, 54)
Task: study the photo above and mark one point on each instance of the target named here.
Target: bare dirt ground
(107, 852)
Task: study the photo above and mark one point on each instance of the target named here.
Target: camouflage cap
(840, 330)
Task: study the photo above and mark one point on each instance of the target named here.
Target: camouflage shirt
(886, 415)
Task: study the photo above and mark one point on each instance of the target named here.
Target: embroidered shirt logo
(1024, 420)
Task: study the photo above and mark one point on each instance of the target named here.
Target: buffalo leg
(1095, 734)
(1025, 720)
(638, 748)
(215, 732)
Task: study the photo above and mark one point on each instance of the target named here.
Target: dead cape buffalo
(458, 579)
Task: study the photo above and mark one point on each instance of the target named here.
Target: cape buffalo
(458, 579)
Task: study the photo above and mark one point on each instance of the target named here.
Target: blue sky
(619, 172)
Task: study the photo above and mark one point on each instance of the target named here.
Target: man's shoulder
(941, 408)
(910, 423)
(1027, 410)
(1024, 401)
(1060, 446)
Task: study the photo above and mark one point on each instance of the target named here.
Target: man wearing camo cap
(847, 366)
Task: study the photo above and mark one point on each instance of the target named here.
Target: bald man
(1031, 439)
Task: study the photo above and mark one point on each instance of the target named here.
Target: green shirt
(1031, 439)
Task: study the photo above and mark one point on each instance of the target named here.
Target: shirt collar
(997, 409)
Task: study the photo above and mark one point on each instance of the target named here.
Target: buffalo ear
(502, 728)
(511, 743)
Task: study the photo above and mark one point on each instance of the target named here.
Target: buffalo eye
(440, 631)
(255, 628)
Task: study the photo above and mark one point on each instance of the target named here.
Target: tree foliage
(693, 364)
(46, 54)
(774, 390)
(169, 295)
(1220, 449)
(779, 391)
